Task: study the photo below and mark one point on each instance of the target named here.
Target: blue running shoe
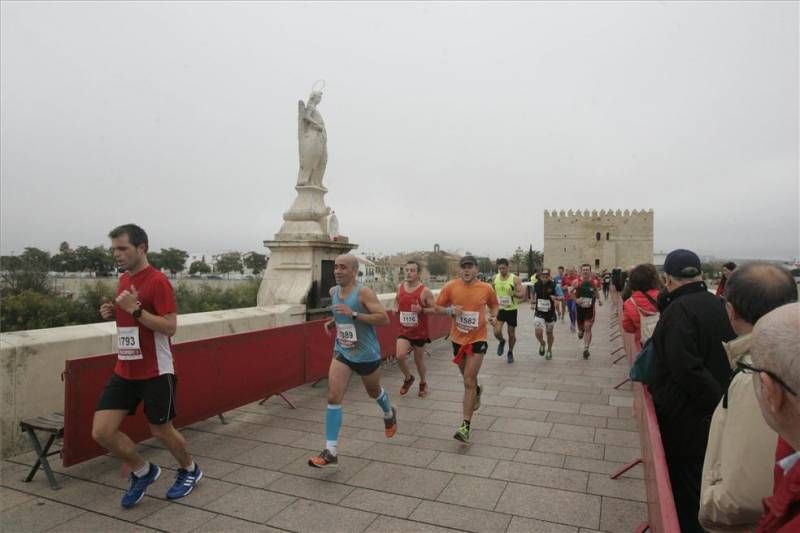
(185, 481)
(501, 347)
(139, 485)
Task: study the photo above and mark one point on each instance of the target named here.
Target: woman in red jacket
(645, 284)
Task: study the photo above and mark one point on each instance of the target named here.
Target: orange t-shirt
(473, 298)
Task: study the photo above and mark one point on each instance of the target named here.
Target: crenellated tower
(605, 239)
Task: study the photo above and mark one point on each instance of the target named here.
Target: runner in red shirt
(585, 291)
(566, 286)
(412, 299)
(145, 312)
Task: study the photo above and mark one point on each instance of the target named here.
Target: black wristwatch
(137, 313)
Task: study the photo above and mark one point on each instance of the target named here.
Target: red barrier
(214, 376)
(661, 513)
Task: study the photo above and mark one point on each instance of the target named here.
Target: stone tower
(604, 240)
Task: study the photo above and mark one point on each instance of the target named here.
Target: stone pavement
(543, 444)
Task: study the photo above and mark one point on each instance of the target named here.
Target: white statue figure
(313, 139)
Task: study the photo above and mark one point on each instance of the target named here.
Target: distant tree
(255, 262)
(437, 265)
(98, 260)
(517, 259)
(10, 262)
(199, 267)
(173, 260)
(26, 272)
(535, 259)
(485, 265)
(229, 262)
(155, 260)
(64, 247)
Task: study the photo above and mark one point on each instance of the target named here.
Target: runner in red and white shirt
(412, 299)
(569, 301)
(145, 313)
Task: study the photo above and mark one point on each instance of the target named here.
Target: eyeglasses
(745, 364)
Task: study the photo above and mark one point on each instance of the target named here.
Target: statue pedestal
(300, 271)
(306, 218)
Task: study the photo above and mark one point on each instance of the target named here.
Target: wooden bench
(52, 424)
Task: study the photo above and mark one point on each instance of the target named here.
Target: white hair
(775, 344)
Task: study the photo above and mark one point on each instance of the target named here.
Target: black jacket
(691, 368)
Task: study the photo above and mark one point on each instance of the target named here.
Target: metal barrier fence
(215, 375)
(661, 513)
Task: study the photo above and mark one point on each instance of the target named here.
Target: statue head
(315, 97)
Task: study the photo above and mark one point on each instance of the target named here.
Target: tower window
(597, 263)
(608, 235)
(597, 235)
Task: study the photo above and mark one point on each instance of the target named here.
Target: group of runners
(471, 303)
(145, 313)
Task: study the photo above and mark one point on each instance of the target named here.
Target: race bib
(543, 305)
(504, 301)
(467, 321)
(128, 348)
(346, 335)
(408, 319)
(585, 302)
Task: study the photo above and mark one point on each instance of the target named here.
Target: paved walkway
(544, 442)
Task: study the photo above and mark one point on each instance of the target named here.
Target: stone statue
(313, 140)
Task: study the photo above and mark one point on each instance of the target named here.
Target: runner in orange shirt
(466, 300)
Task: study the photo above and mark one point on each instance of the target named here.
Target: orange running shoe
(324, 460)
(390, 424)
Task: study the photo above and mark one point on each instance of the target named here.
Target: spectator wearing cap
(737, 472)
(727, 270)
(775, 364)
(691, 372)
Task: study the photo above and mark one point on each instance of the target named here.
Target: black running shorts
(508, 316)
(419, 343)
(362, 369)
(585, 314)
(157, 394)
(479, 347)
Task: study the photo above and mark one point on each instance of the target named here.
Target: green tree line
(29, 300)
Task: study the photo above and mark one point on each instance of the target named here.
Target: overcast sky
(450, 123)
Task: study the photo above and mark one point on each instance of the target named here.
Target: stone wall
(32, 361)
(604, 239)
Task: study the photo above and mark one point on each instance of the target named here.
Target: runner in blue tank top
(356, 312)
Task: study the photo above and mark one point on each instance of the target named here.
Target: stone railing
(32, 361)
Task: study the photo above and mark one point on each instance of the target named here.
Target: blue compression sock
(333, 422)
(384, 403)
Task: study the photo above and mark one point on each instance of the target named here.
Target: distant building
(366, 269)
(604, 240)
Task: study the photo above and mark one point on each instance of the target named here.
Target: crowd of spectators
(725, 384)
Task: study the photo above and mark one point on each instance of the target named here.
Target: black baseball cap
(682, 264)
(467, 259)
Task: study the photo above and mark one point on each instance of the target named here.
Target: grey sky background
(450, 123)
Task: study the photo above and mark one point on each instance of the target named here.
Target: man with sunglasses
(546, 294)
(466, 300)
(741, 446)
(691, 372)
(776, 382)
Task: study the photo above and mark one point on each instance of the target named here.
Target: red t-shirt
(582, 290)
(566, 283)
(412, 325)
(143, 353)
